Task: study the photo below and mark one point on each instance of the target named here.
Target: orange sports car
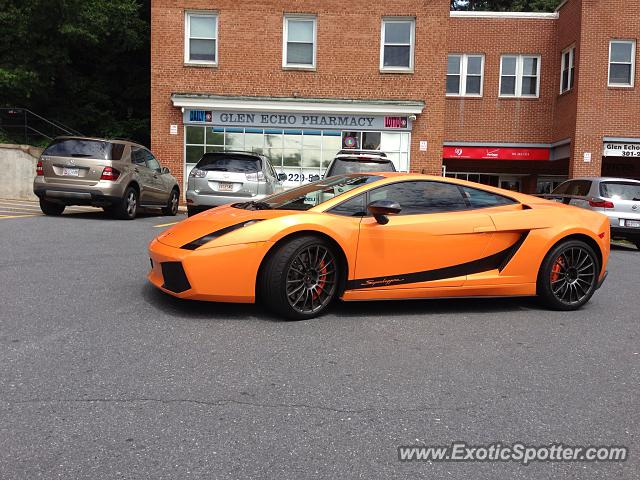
(377, 236)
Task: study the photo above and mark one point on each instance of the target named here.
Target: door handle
(484, 229)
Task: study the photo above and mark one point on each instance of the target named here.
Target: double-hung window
(201, 38)
(397, 44)
(622, 55)
(520, 76)
(299, 42)
(464, 75)
(566, 69)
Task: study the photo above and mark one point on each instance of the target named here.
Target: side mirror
(282, 177)
(165, 170)
(381, 208)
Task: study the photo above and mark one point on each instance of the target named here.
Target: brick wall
(250, 62)
(568, 33)
(494, 119)
(602, 110)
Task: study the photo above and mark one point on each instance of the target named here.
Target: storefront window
(302, 154)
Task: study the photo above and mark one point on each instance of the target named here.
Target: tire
(568, 276)
(192, 211)
(172, 205)
(637, 244)
(299, 280)
(51, 208)
(127, 208)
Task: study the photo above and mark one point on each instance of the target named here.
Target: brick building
(518, 100)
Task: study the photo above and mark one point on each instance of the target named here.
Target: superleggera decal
(496, 261)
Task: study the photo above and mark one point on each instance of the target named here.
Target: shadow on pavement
(225, 311)
(99, 215)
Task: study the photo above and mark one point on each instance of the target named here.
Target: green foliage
(506, 5)
(84, 63)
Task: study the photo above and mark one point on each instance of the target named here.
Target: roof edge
(505, 15)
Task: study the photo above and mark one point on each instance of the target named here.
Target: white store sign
(621, 149)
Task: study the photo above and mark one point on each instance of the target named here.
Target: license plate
(225, 187)
(632, 223)
(70, 172)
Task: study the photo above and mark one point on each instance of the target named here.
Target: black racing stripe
(496, 261)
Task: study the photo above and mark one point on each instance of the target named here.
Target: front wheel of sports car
(568, 276)
(300, 279)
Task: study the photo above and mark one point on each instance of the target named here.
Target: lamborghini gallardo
(376, 236)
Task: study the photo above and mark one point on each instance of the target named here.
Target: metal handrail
(23, 120)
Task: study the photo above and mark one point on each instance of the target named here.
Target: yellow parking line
(2, 217)
(18, 207)
(165, 225)
(22, 202)
(12, 211)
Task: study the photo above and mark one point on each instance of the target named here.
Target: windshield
(80, 148)
(224, 162)
(312, 194)
(355, 165)
(620, 190)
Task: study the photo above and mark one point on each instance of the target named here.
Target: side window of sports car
(354, 207)
(482, 199)
(422, 197)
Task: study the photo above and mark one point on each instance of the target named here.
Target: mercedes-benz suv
(119, 176)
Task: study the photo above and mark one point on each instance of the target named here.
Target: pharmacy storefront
(300, 137)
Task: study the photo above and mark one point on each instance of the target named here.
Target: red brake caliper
(557, 267)
(322, 280)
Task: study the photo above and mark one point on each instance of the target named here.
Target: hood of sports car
(212, 221)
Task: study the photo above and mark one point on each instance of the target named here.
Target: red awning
(496, 153)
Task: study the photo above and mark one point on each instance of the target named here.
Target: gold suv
(117, 175)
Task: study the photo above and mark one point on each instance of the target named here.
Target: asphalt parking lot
(101, 376)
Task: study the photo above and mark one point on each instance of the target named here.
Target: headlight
(213, 235)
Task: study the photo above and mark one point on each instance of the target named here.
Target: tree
(506, 5)
(84, 63)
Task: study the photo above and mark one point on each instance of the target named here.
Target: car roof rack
(377, 153)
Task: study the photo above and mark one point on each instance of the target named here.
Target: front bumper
(220, 274)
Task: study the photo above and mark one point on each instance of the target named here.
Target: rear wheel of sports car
(300, 279)
(568, 276)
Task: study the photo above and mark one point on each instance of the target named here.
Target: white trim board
(506, 15)
(250, 105)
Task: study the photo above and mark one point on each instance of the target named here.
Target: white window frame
(187, 30)
(633, 64)
(285, 41)
(412, 44)
(464, 62)
(519, 74)
(571, 68)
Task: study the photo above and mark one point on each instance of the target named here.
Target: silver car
(230, 177)
(617, 198)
